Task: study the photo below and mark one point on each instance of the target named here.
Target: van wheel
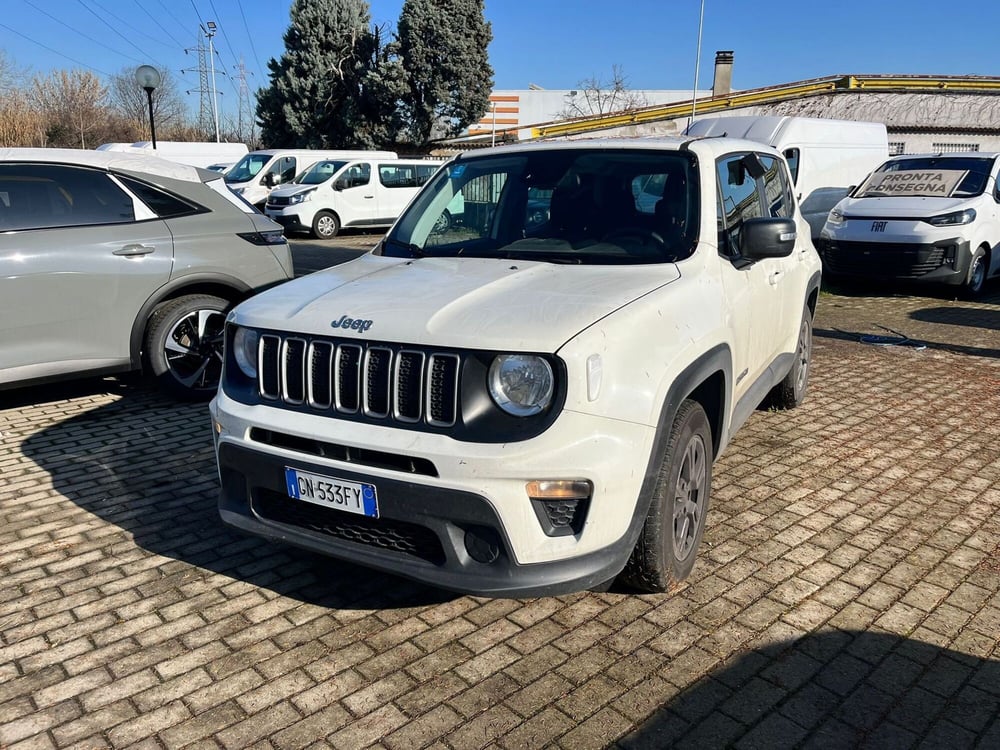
(184, 345)
(325, 225)
(675, 523)
(976, 279)
(442, 223)
(791, 391)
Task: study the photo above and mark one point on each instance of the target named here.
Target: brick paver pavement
(847, 593)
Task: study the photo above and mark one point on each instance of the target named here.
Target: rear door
(398, 183)
(78, 258)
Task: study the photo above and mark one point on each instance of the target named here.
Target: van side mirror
(269, 180)
(766, 237)
(340, 183)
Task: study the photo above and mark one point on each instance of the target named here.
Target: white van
(920, 217)
(194, 153)
(343, 192)
(825, 157)
(255, 174)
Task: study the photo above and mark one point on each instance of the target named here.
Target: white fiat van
(255, 174)
(344, 192)
(922, 217)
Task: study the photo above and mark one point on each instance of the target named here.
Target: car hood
(290, 190)
(902, 206)
(453, 302)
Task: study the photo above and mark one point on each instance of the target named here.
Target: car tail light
(272, 237)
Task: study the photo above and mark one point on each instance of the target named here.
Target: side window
(396, 176)
(792, 157)
(36, 196)
(160, 203)
(425, 172)
(777, 191)
(283, 169)
(740, 201)
(356, 175)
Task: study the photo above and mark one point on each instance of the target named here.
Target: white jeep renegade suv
(528, 402)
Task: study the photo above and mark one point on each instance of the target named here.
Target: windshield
(937, 176)
(588, 206)
(319, 172)
(247, 168)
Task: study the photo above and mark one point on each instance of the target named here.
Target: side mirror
(765, 237)
(340, 183)
(269, 180)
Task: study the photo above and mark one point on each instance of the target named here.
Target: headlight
(303, 196)
(955, 218)
(521, 384)
(835, 217)
(245, 350)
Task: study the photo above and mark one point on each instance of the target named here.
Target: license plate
(330, 492)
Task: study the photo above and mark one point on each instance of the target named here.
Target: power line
(256, 57)
(225, 37)
(53, 51)
(162, 27)
(123, 22)
(77, 31)
(99, 18)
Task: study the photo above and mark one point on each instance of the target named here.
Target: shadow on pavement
(973, 317)
(145, 464)
(859, 337)
(835, 689)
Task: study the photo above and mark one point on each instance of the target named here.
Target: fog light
(560, 504)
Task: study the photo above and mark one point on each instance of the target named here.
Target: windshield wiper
(415, 251)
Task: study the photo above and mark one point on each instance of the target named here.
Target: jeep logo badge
(879, 226)
(354, 324)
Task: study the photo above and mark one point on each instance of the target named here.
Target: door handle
(135, 250)
(369, 196)
(775, 277)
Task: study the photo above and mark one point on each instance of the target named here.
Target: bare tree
(128, 100)
(73, 104)
(596, 96)
(20, 122)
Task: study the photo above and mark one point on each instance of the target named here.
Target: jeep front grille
(377, 381)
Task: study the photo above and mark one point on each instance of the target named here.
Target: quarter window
(37, 196)
(160, 203)
(398, 176)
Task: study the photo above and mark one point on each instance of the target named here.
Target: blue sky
(550, 43)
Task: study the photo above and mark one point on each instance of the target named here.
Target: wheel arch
(227, 287)
(707, 381)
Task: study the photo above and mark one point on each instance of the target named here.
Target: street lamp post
(149, 78)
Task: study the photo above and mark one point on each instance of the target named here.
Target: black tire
(442, 223)
(183, 345)
(326, 225)
(668, 544)
(791, 391)
(976, 278)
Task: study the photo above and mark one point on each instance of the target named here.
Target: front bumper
(942, 261)
(471, 528)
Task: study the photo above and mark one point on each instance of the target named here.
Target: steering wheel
(641, 234)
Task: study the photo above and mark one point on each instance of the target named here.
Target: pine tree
(443, 44)
(313, 97)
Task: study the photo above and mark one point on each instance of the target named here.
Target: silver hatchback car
(112, 262)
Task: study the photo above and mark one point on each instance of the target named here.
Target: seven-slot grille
(375, 380)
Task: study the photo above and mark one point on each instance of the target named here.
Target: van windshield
(578, 206)
(247, 168)
(939, 176)
(319, 172)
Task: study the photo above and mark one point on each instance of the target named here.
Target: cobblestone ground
(847, 593)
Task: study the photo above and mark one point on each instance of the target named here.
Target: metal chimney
(723, 82)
